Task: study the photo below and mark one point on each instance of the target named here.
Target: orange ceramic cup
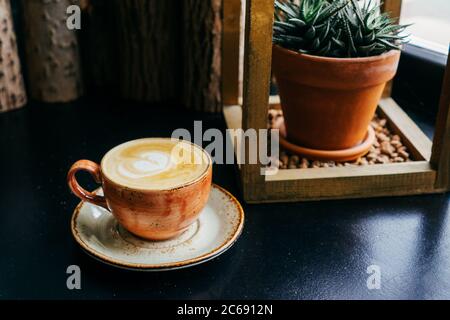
(151, 214)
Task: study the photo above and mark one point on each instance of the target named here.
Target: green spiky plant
(339, 28)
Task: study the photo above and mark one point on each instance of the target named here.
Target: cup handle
(95, 171)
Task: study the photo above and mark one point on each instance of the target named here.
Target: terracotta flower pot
(328, 103)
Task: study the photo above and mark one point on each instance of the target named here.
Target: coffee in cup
(155, 187)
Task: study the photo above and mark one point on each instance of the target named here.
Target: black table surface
(309, 250)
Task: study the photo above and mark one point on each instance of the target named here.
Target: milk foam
(145, 165)
(155, 163)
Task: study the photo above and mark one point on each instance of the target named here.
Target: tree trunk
(12, 91)
(155, 51)
(54, 73)
(202, 36)
(148, 49)
(98, 37)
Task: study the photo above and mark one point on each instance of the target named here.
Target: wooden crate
(429, 173)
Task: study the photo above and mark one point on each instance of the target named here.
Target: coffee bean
(396, 143)
(348, 164)
(376, 144)
(382, 159)
(363, 162)
(403, 154)
(387, 148)
(284, 158)
(316, 164)
(382, 137)
(372, 156)
(331, 164)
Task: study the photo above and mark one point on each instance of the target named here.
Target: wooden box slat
(414, 139)
(394, 8)
(440, 157)
(376, 180)
(230, 55)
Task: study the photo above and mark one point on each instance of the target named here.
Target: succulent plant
(339, 28)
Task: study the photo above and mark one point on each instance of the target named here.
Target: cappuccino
(155, 163)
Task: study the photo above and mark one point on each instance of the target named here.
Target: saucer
(219, 225)
(342, 155)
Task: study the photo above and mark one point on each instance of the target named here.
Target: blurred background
(167, 52)
(149, 51)
(430, 22)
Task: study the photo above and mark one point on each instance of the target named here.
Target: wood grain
(12, 91)
(233, 120)
(257, 69)
(202, 43)
(99, 47)
(170, 51)
(352, 171)
(148, 45)
(365, 186)
(417, 142)
(393, 7)
(52, 52)
(230, 51)
(440, 157)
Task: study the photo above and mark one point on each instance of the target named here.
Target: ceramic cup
(153, 214)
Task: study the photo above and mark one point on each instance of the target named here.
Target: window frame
(418, 82)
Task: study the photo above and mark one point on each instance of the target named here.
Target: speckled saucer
(218, 227)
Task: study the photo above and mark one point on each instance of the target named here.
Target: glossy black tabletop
(311, 250)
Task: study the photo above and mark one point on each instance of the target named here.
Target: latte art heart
(145, 165)
(155, 163)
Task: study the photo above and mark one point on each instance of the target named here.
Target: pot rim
(311, 57)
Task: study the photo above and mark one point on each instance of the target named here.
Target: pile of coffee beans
(387, 148)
